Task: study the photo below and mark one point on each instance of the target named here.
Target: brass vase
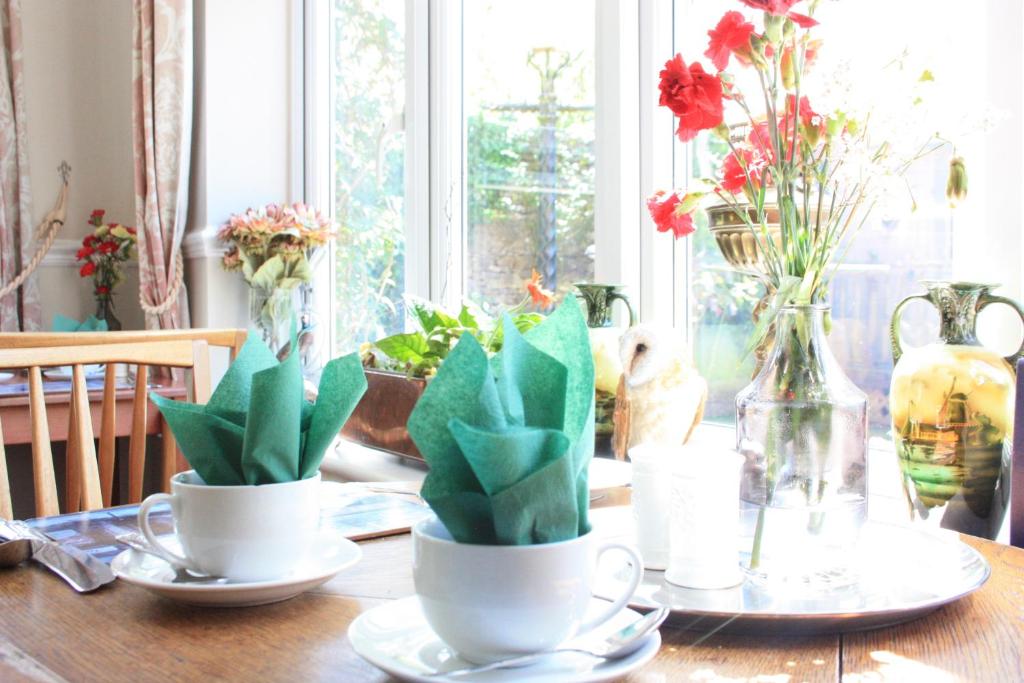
(604, 343)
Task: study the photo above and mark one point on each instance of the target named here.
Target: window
(367, 82)
(528, 101)
(464, 141)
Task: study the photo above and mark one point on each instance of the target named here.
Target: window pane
(368, 140)
(895, 248)
(528, 102)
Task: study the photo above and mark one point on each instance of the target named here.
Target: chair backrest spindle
(42, 457)
(137, 440)
(88, 467)
(6, 508)
(108, 430)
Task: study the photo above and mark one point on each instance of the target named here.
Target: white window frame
(633, 149)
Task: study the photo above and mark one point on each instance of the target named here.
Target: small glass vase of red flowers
(104, 251)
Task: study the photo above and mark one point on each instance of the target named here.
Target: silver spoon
(138, 543)
(13, 553)
(622, 643)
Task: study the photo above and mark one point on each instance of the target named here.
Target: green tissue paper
(509, 439)
(257, 427)
(62, 323)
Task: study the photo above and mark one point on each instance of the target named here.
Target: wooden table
(122, 633)
(14, 410)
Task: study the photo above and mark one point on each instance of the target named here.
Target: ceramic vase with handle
(952, 414)
(604, 342)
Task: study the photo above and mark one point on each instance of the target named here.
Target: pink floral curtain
(19, 310)
(162, 120)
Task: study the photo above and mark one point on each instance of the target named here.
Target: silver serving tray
(902, 574)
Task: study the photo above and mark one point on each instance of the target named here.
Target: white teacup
(490, 602)
(247, 533)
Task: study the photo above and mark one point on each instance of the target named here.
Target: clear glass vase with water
(801, 426)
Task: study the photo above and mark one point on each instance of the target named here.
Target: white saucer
(64, 372)
(395, 637)
(331, 553)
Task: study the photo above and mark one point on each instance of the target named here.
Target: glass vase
(271, 312)
(801, 426)
(310, 336)
(105, 311)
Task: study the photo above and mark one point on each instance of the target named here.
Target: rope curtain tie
(172, 295)
(50, 232)
(48, 229)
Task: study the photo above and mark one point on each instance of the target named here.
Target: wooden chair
(231, 338)
(90, 479)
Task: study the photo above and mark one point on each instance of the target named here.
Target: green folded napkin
(62, 323)
(257, 427)
(509, 439)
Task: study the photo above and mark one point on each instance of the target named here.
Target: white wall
(247, 112)
(78, 79)
(242, 152)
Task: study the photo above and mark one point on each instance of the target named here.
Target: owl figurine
(660, 397)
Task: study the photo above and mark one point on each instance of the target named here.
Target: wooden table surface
(123, 633)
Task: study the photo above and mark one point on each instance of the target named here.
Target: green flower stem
(797, 392)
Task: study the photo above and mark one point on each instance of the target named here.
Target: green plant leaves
(268, 274)
(418, 353)
(406, 348)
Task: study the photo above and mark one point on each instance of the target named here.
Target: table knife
(84, 572)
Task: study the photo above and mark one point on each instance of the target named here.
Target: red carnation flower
(776, 7)
(97, 213)
(734, 179)
(730, 37)
(103, 289)
(88, 269)
(108, 247)
(664, 211)
(693, 95)
(780, 8)
(84, 252)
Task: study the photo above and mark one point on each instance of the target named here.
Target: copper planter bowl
(379, 420)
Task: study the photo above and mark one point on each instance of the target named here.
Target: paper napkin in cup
(257, 427)
(62, 323)
(509, 439)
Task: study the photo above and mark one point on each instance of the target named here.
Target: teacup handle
(175, 560)
(620, 602)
